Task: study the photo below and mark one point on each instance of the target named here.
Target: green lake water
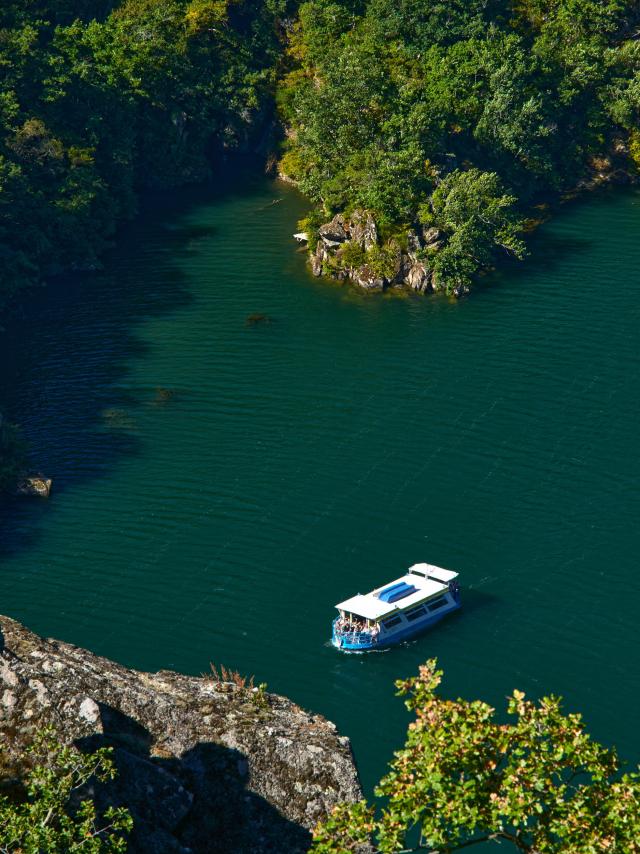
(219, 486)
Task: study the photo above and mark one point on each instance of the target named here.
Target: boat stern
(352, 640)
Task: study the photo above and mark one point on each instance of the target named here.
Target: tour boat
(396, 611)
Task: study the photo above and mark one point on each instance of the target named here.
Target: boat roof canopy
(366, 606)
(431, 571)
(427, 582)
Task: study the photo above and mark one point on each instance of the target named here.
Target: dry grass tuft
(224, 674)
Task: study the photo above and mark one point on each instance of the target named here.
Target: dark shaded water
(218, 485)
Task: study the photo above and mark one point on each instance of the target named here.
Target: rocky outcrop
(334, 233)
(204, 765)
(349, 248)
(34, 484)
(363, 230)
(418, 277)
(367, 278)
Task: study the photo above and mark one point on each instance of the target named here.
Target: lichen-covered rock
(413, 245)
(368, 279)
(432, 236)
(316, 265)
(345, 243)
(363, 230)
(334, 233)
(204, 766)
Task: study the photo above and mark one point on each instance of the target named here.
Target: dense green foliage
(390, 100)
(101, 98)
(406, 108)
(43, 816)
(540, 783)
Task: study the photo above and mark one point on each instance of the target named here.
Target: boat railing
(354, 635)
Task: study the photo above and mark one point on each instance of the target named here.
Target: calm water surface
(219, 486)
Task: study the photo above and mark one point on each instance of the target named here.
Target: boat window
(438, 603)
(394, 621)
(414, 613)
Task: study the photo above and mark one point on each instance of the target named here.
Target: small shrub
(351, 254)
(634, 146)
(382, 260)
(259, 696)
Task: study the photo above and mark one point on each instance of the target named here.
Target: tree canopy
(387, 99)
(384, 101)
(100, 99)
(539, 782)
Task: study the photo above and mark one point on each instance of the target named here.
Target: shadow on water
(67, 350)
(546, 251)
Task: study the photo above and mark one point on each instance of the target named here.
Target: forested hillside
(445, 117)
(100, 99)
(456, 116)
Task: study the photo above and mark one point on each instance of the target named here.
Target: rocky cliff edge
(203, 765)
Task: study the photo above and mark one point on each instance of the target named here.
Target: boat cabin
(397, 610)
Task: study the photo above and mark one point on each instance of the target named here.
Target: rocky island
(348, 248)
(203, 765)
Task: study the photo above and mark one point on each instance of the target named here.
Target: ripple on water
(220, 485)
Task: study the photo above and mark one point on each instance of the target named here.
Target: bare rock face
(419, 278)
(363, 230)
(368, 279)
(411, 267)
(433, 237)
(333, 233)
(413, 245)
(204, 766)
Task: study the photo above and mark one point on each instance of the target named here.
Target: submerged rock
(460, 291)
(257, 319)
(204, 766)
(163, 396)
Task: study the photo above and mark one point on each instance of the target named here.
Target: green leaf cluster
(51, 815)
(464, 778)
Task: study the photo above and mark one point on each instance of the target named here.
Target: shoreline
(408, 266)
